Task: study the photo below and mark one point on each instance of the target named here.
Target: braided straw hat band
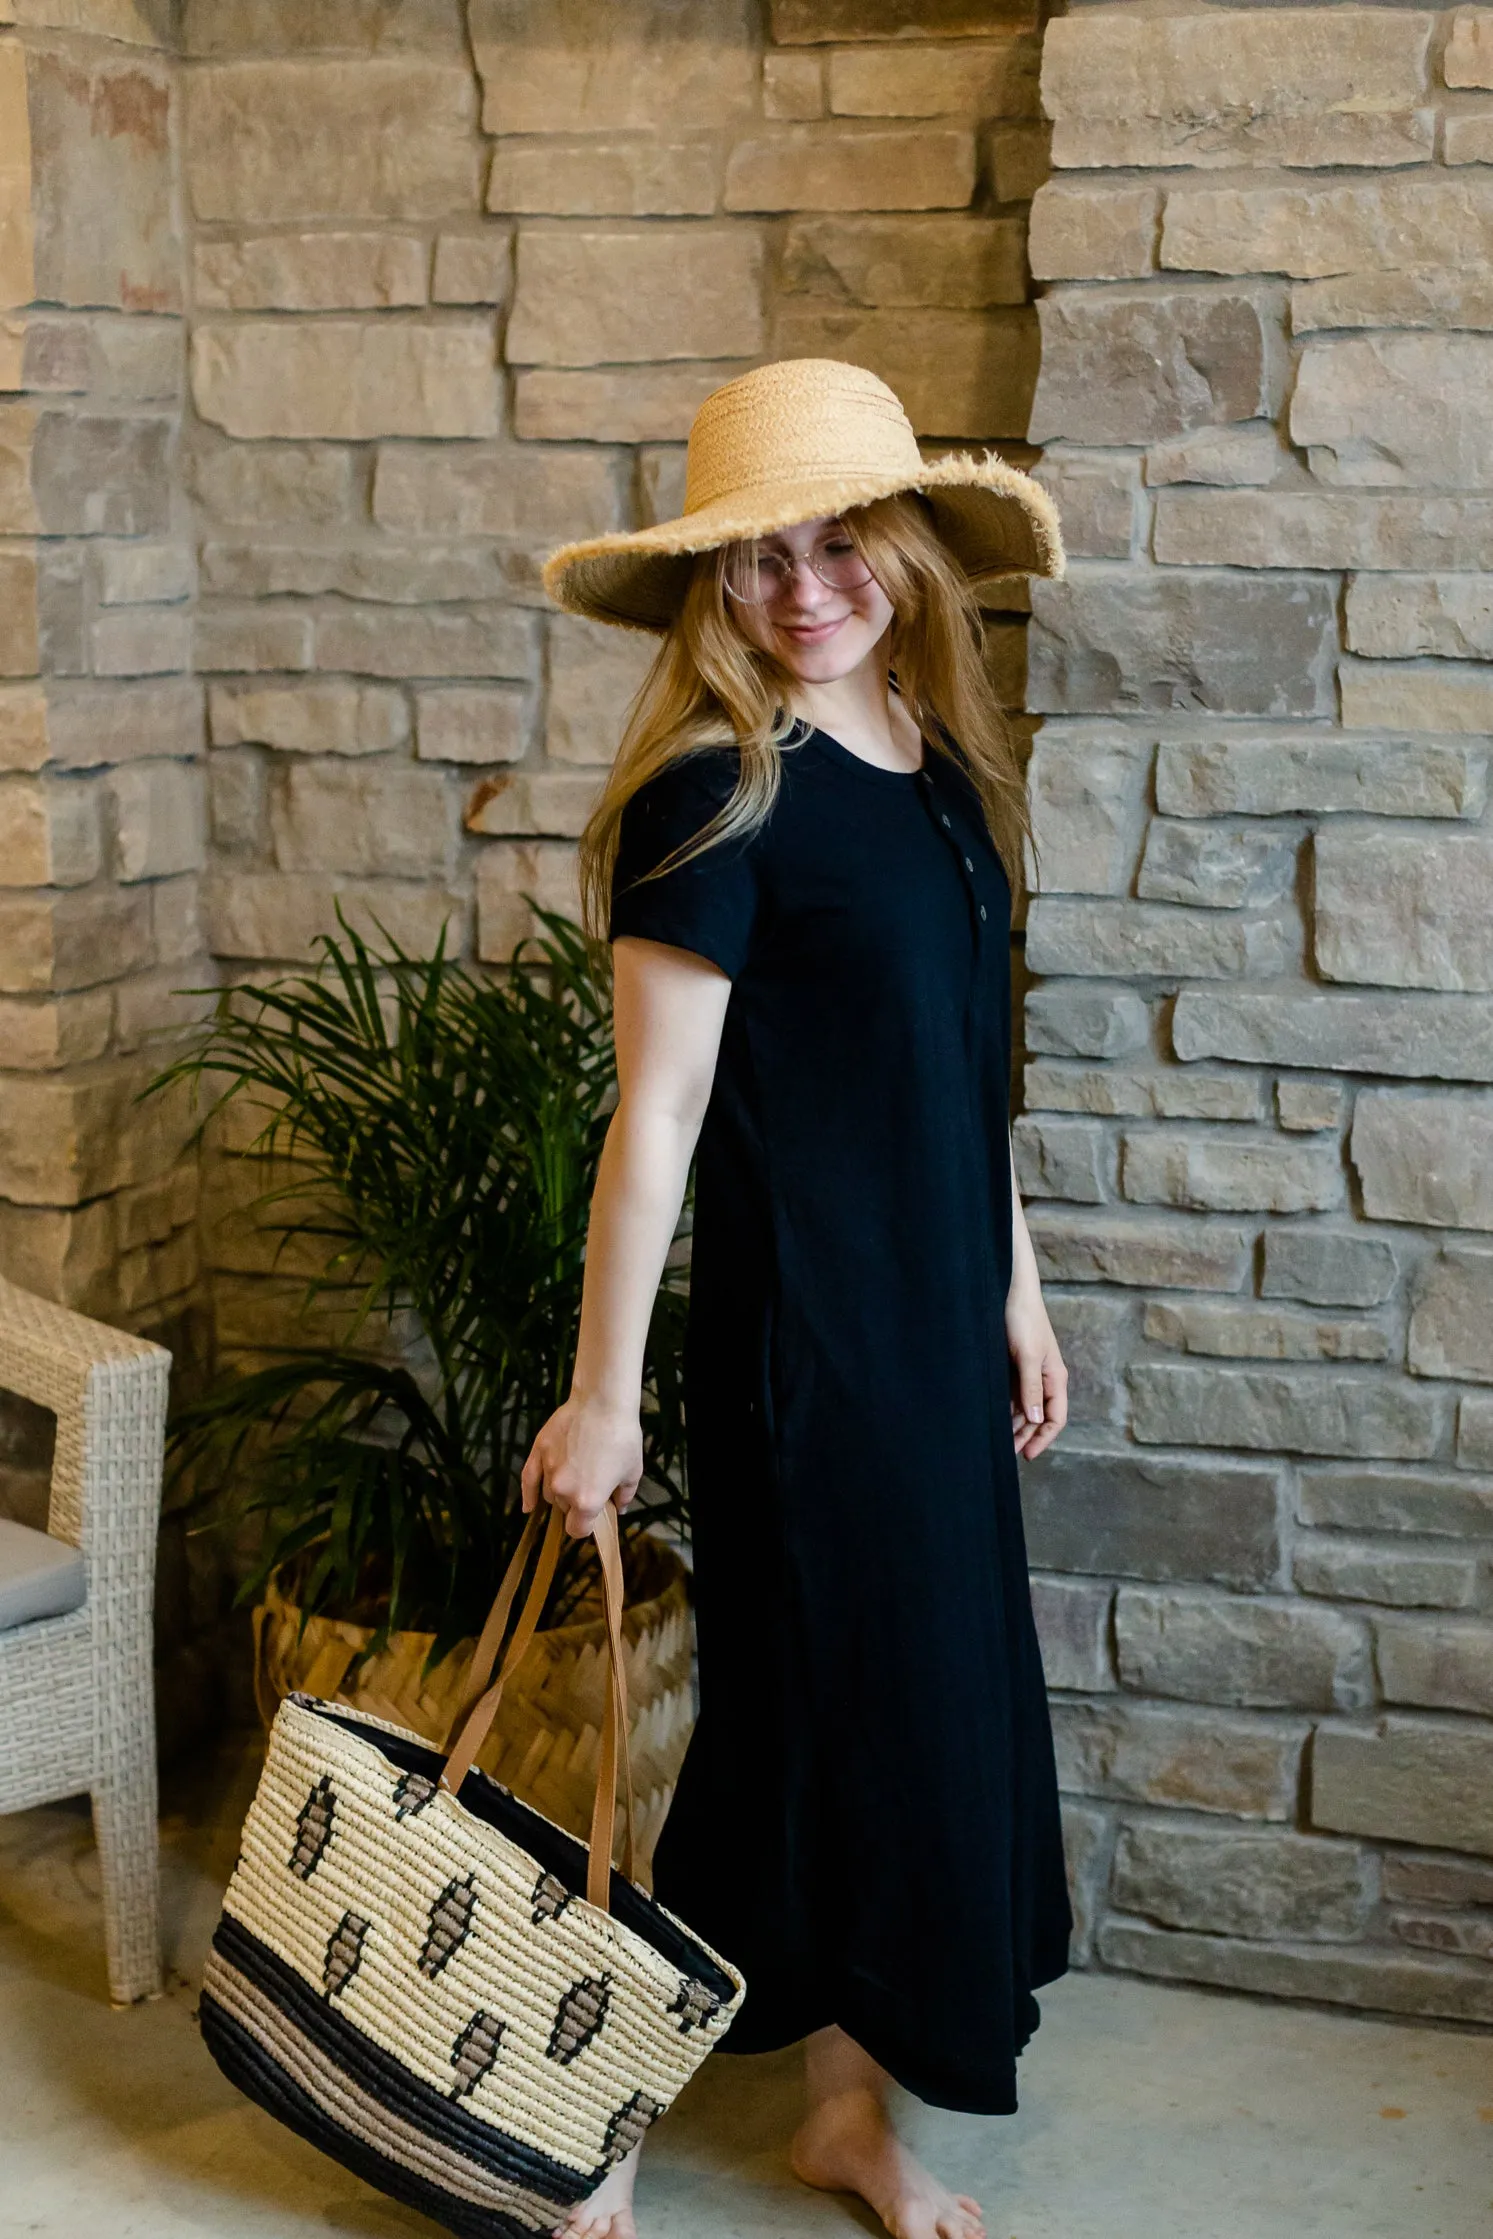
(790, 442)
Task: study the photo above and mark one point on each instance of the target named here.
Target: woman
(803, 859)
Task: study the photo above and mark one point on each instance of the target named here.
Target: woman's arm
(1039, 1379)
(669, 1006)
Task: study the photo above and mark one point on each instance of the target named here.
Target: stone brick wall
(1257, 1124)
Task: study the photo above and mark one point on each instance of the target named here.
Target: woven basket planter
(544, 1745)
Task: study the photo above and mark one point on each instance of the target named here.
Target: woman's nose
(805, 587)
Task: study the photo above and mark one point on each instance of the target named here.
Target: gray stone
(1396, 1500)
(1091, 1334)
(1403, 910)
(1073, 1626)
(1436, 1665)
(1311, 141)
(1411, 1780)
(1060, 1158)
(1078, 1021)
(1128, 940)
(98, 475)
(1199, 1760)
(1214, 866)
(1446, 1037)
(388, 819)
(1251, 1332)
(1475, 1432)
(1254, 455)
(500, 489)
(1086, 1843)
(1315, 772)
(92, 724)
(1341, 1570)
(1086, 797)
(426, 642)
(613, 65)
(1437, 1932)
(1095, 493)
(351, 378)
(1302, 1410)
(1111, 639)
(1161, 1092)
(1432, 295)
(1427, 1159)
(1303, 1106)
(284, 486)
(1138, 1516)
(403, 574)
(319, 718)
(584, 296)
(1397, 617)
(1311, 229)
(1382, 410)
(1087, 231)
(1255, 1885)
(1137, 364)
(311, 272)
(1227, 1174)
(1436, 1881)
(1322, 529)
(1327, 1267)
(1249, 1652)
(1167, 1253)
(1451, 1316)
(1371, 1980)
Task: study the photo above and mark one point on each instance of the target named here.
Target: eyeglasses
(758, 577)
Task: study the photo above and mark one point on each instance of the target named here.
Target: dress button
(949, 826)
(967, 864)
(982, 909)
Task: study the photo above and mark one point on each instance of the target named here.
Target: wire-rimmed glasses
(759, 573)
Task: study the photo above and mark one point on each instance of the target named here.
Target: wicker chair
(76, 1708)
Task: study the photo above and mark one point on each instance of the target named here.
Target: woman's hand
(587, 1453)
(1039, 1379)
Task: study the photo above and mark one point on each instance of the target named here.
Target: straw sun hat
(787, 443)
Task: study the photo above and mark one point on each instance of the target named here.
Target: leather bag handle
(477, 1722)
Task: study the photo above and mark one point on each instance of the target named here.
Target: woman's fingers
(531, 1480)
(1029, 1385)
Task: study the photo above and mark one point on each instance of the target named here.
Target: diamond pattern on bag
(344, 1953)
(628, 2126)
(696, 2003)
(451, 1918)
(412, 1794)
(313, 1828)
(550, 1898)
(474, 2052)
(581, 2013)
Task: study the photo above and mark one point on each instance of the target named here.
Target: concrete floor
(1148, 2112)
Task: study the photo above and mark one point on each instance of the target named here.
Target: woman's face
(818, 630)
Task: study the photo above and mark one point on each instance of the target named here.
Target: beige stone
(799, 22)
(311, 272)
(138, 360)
(792, 87)
(1427, 1159)
(990, 78)
(508, 873)
(283, 486)
(583, 297)
(546, 803)
(1411, 1036)
(1322, 529)
(157, 814)
(1388, 409)
(18, 514)
(1254, 454)
(1320, 141)
(1468, 60)
(852, 167)
(1123, 939)
(1094, 1332)
(24, 742)
(1441, 696)
(473, 267)
(102, 474)
(1439, 1666)
(69, 1138)
(1151, 1251)
(1215, 866)
(403, 574)
(235, 795)
(1072, 1616)
(377, 641)
(513, 490)
(271, 142)
(101, 131)
(1134, 365)
(615, 404)
(265, 915)
(92, 724)
(375, 819)
(594, 675)
(1087, 805)
(49, 834)
(1303, 1106)
(1433, 296)
(1393, 1500)
(1020, 159)
(614, 65)
(1116, 1092)
(1214, 1761)
(1094, 232)
(1403, 910)
(228, 27)
(1060, 1158)
(44, 1033)
(71, 940)
(958, 263)
(472, 723)
(19, 644)
(1303, 1410)
(1451, 1325)
(1095, 493)
(1396, 617)
(348, 378)
(1229, 1174)
(1467, 139)
(649, 175)
(251, 637)
(1327, 1266)
(661, 482)
(960, 374)
(17, 236)
(1412, 1780)
(1312, 231)
(309, 718)
(140, 641)
(142, 574)
(1250, 1332)
(1232, 1649)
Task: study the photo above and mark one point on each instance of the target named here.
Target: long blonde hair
(711, 685)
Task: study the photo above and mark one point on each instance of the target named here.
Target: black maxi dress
(867, 1819)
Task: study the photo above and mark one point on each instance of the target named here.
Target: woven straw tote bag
(435, 1984)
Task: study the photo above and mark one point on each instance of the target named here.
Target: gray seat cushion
(39, 1576)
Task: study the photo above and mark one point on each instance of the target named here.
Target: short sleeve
(709, 904)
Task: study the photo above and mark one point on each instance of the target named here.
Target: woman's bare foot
(607, 2213)
(847, 2144)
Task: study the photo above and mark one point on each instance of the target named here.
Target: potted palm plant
(423, 1142)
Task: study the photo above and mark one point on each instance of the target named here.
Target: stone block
(508, 489)
(1251, 1884)
(614, 65)
(1322, 529)
(311, 272)
(1112, 639)
(1086, 798)
(1327, 1267)
(235, 789)
(92, 724)
(49, 833)
(1367, 1979)
(1247, 1652)
(1318, 773)
(1078, 1021)
(473, 267)
(377, 641)
(19, 640)
(1445, 1037)
(1412, 1780)
(1214, 866)
(994, 78)
(1060, 1158)
(271, 142)
(176, 919)
(1198, 1760)
(799, 22)
(510, 874)
(583, 297)
(471, 723)
(1095, 494)
(1252, 455)
(1437, 1881)
(552, 804)
(660, 483)
(1129, 939)
(59, 942)
(309, 718)
(1224, 1174)
(140, 641)
(1383, 1500)
(1138, 1516)
(403, 574)
(615, 404)
(1152, 1253)
(1086, 1845)
(261, 916)
(1094, 231)
(1073, 1626)
(346, 378)
(1427, 1159)
(1092, 1333)
(1436, 1664)
(1433, 295)
(142, 574)
(1314, 230)
(1468, 60)
(1156, 1092)
(907, 263)
(101, 131)
(1432, 696)
(1436, 1932)
(1467, 139)
(1136, 364)
(1250, 1332)
(594, 675)
(250, 637)
(378, 819)
(282, 486)
(651, 174)
(157, 813)
(792, 87)
(1397, 617)
(962, 374)
(43, 1034)
(1475, 1433)
(1311, 141)
(1389, 409)
(1285, 1410)
(100, 475)
(1403, 911)
(231, 27)
(1345, 1570)
(852, 167)
(1451, 1319)
(1020, 160)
